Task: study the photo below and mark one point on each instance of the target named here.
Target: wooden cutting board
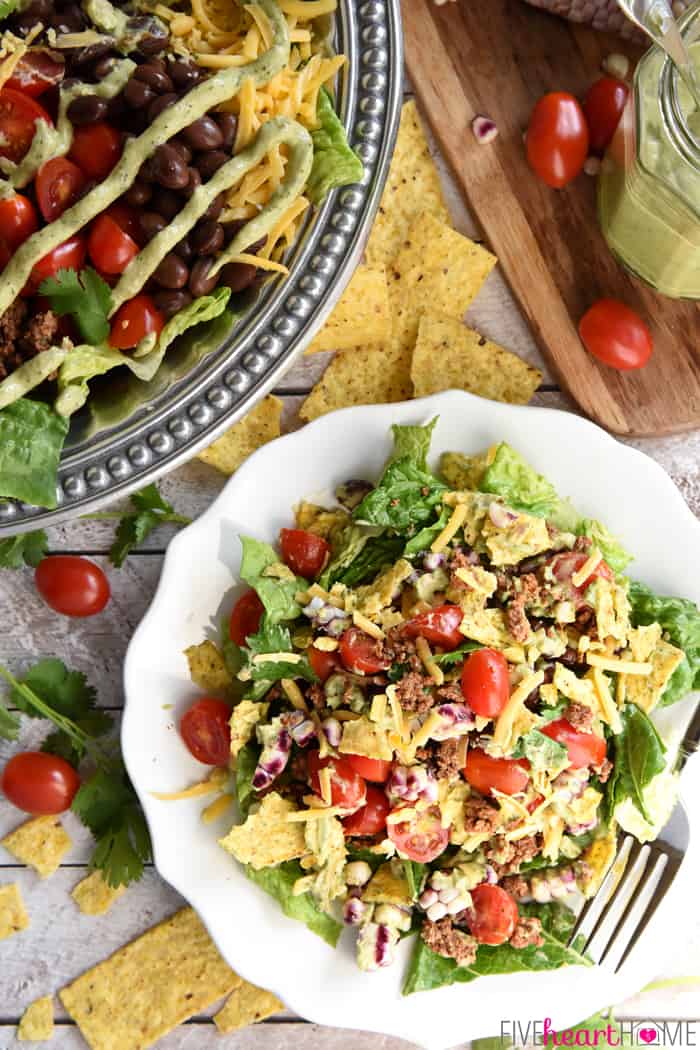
(497, 57)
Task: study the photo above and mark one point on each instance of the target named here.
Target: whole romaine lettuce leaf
(639, 757)
(335, 163)
(680, 619)
(279, 883)
(31, 440)
(609, 546)
(278, 596)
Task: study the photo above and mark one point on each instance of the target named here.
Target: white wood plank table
(60, 943)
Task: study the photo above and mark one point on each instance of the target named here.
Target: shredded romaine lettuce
(335, 163)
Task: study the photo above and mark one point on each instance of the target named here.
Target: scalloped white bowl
(604, 479)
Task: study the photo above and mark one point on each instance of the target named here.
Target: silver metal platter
(134, 432)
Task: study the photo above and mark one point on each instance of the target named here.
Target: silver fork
(609, 925)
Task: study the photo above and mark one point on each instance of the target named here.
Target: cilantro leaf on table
(150, 511)
(65, 691)
(85, 296)
(108, 805)
(26, 549)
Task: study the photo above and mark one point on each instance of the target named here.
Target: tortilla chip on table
(260, 425)
(361, 316)
(13, 914)
(41, 842)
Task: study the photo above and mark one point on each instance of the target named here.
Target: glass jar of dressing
(649, 184)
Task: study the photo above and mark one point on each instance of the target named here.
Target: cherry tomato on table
(205, 729)
(18, 116)
(484, 772)
(323, 664)
(359, 653)
(374, 769)
(58, 185)
(67, 256)
(371, 818)
(616, 335)
(557, 139)
(585, 749)
(96, 148)
(245, 617)
(348, 789)
(421, 837)
(36, 72)
(39, 783)
(72, 585)
(18, 220)
(135, 319)
(493, 915)
(486, 682)
(109, 247)
(304, 552)
(603, 106)
(439, 626)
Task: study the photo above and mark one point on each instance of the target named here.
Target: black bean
(208, 163)
(194, 182)
(116, 108)
(256, 246)
(238, 276)
(171, 302)
(228, 125)
(200, 282)
(70, 20)
(87, 109)
(184, 249)
(39, 10)
(232, 228)
(182, 148)
(150, 74)
(169, 168)
(138, 194)
(171, 272)
(207, 237)
(157, 63)
(166, 202)
(151, 34)
(151, 223)
(160, 104)
(183, 74)
(79, 57)
(215, 208)
(138, 94)
(104, 66)
(203, 134)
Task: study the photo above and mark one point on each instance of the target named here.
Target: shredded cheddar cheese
(435, 672)
(457, 519)
(294, 694)
(324, 782)
(367, 626)
(216, 808)
(517, 699)
(608, 707)
(591, 563)
(614, 663)
(397, 714)
(378, 709)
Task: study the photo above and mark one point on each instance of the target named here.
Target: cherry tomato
(585, 749)
(127, 219)
(557, 139)
(304, 552)
(421, 837)
(439, 626)
(323, 664)
(109, 247)
(18, 220)
(18, 115)
(603, 106)
(36, 72)
(484, 772)
(205, 729)
(58, 185)
(563, 566)
(485, 682)
(72, 585)
(67, 256)
(374, 769)
(371, 818)
(493, 915)
(616, 335)
(132, 321)
(96, 148)
(245, 617)
(359, 653)
(348, 789)
(39, 783)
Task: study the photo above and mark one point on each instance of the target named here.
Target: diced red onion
(485, 130)
(580, 829)
(433, 560)
(303, 732)
(332, 731)
(427, 897)
(411, 783)
(354, 911)
(500, 516)
(571, 783)
(491, 876)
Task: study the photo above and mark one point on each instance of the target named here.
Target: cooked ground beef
(449, 694)
(604, 770)
(40, 334)
(414, 694)
(580, 716)
(400, 650)
(446, 760)
(460, 560)
(19, 340)
(518, 623)
(442, 938)
(585, 622)
(517, 886)
(507, 856)
(527, 934)
(480, 818)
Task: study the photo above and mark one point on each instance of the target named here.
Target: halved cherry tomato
(72, 585)
(421, 837)
(563, 566)
(585, 749)
(371, 818)
(493, 915)
(58, 185)
(39, 783)
(304, 552)
(127, 219)
(348, 789)
(18, 220)
(18, 115)
(36, 72)
(67, 256)
(323, 664)
(484, 772)
(374, 769)
(96, 148)
(109, 247)
(616, 335)
(603, 106)
(439, 626)
(245, 617)
(135, 319)
(557, 139)
(485, 682)
(359, 653)
(205, 729)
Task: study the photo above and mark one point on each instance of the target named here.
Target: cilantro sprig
(85, 296)
(150, 511)
(26, 549)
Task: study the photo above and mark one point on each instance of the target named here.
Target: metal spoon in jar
(655, 19)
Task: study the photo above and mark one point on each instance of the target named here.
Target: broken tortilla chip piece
(94, 896)
(448, 355)
(361, 317)
(246, 1005)
(207, 667)
(267, 837)
(412, 189)
(13, 914)
(36, 1024)
(41, 843)
(364, 377)
(150, 986)
(259, 426)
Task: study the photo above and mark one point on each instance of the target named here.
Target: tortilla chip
(259, 426)
(246, 1005)
(448, 355)
(36, 1024)
(361, 317)
(150, 986)
(94, 896)
(412, 189)
(42, 843)
(267, 837)
(244, 718)
(364, 377)
(388, 886)
(362, 737)
(207, 667)
(13, 915)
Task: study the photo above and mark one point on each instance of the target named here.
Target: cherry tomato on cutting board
(374, 769)
(39, 783)
(348, 789)
(18, 220)
(585, 749)
(486, 682)
(370, 819)
(245, 617)
(323, 664)
(135, 319)
(439, 626)
(36, 72)
(493, 915)
(303, 552)
(96, 148)
(557, 139)
(603, 106)
(484, 772)
(421, 837)
(205, 729)
(58, 185)
(67, 256)
(616, 335)
(359, 653)
(72, 585)
(109, 247)
(18, 116)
